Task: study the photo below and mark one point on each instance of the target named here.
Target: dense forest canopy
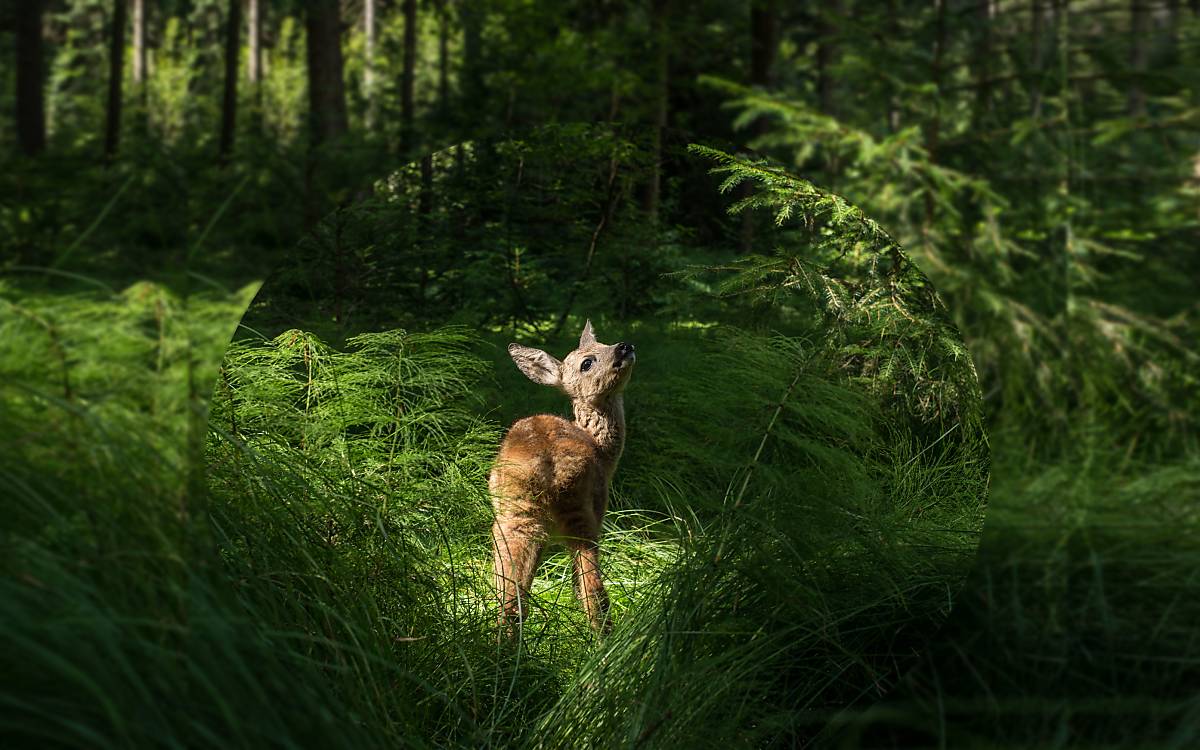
(1033, 161)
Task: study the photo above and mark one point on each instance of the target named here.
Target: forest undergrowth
(340, 596)
(302, 557)
(326, 580)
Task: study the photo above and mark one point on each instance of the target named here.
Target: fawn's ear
(537, 365)
(587, 337)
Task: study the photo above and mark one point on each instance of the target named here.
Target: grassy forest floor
(133, 618)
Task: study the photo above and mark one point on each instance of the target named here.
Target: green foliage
(497, 233)
(179, 100)
(74, 113)
(1055, 268)
(391, 410)
(284, 88)
(1058, 223)
(1074, 564)
(329, 585)
(880, 314)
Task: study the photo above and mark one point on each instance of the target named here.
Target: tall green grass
(769, 527)
(775, 548)
(296, 603)
(1077, 627)
(307, 564)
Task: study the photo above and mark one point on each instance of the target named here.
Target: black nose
(624, 348)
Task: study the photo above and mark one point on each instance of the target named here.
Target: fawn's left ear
(537, 365)
(587, 338)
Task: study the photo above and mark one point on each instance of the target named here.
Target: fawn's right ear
(587, 338)
(537, 365)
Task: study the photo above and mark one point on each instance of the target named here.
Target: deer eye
(586, 364)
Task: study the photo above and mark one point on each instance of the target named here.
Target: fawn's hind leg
(588, 585)
(517, 548)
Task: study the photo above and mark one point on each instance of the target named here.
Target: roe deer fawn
(551, 477)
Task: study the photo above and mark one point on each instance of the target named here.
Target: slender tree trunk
(660, 31)
(141, 68)
(233, 26)
(893, 30)
(1059, 41)
(1064, 234)
(31, 100)
(983, 59)
(408, 76)
(139, 42)
(443, 61)
(827, 55)
(369, 61)
(969, 209)
(254, 40)
(764, 41)
(326, 92)
(1139, 17)
(933, 126)
(116, 69)
(1037, 61)
(474, 94)
(1171, 33)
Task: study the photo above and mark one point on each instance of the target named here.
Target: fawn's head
(590, 374)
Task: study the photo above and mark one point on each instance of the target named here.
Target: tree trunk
(408, 76)
(443, 61)
(1171, 32)
(827, 55)
(1037, 21)
(660, 31)
(254, 39)
(229, 103)
(139, 41)
(1138, 55)
(893, 110)
(326, 91)
(116, 69)
(933, 127)
(969, 209)
(369, 60)
(31, 99)
(474, 94)
(983, 59)
(764, 41)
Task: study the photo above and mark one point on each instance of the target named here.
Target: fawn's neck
(606, 424)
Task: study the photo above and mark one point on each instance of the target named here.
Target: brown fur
(551, 477)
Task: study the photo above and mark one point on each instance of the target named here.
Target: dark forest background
(1037, 161)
